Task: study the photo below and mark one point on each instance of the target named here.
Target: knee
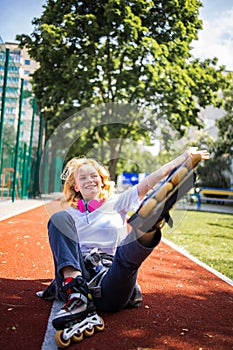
(54, 224)
(61, 223)
(58, 218)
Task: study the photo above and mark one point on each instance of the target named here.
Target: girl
(91, 236)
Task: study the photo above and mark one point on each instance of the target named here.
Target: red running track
(184, 306)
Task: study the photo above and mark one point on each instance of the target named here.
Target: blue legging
(119, 281)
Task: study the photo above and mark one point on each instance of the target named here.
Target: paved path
(215, 208)
(9, 208)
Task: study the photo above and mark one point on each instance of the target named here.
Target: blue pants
(118, 283)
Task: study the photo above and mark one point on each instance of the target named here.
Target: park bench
(214, 195)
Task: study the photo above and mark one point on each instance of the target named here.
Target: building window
(13, 79)
(11, 99)
(27, 62)
(16, 52)
(10, 110)
(13, 69)
(12, 90)
(14, 58)
(27, 72)
(10, 120)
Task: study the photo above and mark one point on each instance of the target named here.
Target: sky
(215, 40)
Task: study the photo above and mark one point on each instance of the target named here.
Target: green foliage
(8, 151)
(8, 141)
(215, 173)
(225, 135)
(136, 52)
(224, 144)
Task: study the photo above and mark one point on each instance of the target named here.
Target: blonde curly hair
(70, 195)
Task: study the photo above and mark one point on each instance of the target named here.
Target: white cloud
(216, 39)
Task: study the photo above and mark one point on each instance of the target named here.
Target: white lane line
(197, 261)
(49, 342)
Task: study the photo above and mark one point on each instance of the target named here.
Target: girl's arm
(151, 180)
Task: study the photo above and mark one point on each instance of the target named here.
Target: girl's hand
(194, 150)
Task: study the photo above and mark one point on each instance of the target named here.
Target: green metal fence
(19, 156)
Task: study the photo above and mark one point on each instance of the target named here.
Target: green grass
(207, 236)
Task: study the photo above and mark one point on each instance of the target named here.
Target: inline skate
(154, 210)
(77, 318)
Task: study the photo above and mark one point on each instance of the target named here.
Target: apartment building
(21, 66)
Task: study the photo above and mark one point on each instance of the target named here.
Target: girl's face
(88, 182)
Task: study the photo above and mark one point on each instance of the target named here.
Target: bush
(215, 173)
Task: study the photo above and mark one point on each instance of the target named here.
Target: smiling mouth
(90, 187)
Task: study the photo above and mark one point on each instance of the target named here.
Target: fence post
(17, 142)
(38, 157)
(24, 172)
(29, 160)
(3, 107)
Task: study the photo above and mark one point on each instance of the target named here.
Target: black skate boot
(78, 305)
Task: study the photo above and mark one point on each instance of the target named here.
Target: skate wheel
(61, 343)
(76, 338)
(147, 207)
(100, 328)
(162, 192)
(179, 175)
(89, 332)
(192, 162)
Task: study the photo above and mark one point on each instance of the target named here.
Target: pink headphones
(91, 205)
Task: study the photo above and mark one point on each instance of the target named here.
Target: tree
(224, 144)
(217, 171)
(116, 52)
(8, 146)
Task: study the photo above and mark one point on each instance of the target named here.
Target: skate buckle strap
(92, 259)
(73, 284)
(95, 284)
(168, 219)
(74, 299)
